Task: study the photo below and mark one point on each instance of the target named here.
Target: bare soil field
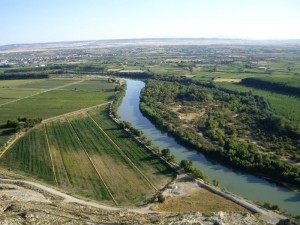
(227, 80)
(189, 197)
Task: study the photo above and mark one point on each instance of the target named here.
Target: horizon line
(160, 38)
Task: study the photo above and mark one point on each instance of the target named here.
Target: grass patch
(200, 200)
(45, 83)
(11, 94)
(92, 86)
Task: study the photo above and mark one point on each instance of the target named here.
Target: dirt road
(70, 199)
(264, 214)
(268, 216)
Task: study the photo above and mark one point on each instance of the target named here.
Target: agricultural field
(89, 155)
(30, 155)
(281, 104)
(145, 160)
(48, 98)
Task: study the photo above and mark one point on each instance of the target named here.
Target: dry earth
(27, 202)
(227, 80)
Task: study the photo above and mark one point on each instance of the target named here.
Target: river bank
(242, 184)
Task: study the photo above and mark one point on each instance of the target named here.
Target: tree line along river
(237, 182)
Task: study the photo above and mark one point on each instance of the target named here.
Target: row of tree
(22, 123)
(228, 122)
(269, 85)
(23, 76)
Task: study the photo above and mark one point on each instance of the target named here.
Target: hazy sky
(32, 21)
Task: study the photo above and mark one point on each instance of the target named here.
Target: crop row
(150, 164)
(90, 158)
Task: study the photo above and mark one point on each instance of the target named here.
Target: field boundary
(42, 92)
(123, 154)
(51, 158)
(91, 161)
(18, 135)
(12, 140)
(73, 113)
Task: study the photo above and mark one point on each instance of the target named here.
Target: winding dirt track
(70, 199)
(266, 215)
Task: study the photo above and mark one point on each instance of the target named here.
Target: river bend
(243, 184)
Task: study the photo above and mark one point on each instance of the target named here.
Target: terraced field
(89, 155)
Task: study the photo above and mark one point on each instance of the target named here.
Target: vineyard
(89, 155)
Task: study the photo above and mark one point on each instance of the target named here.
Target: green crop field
(73, 170)
(122, 178)
(89, 155)
(91, 85)
(48, 98)
(45, 83)
(145, 160)
(30, 155)
(291, 81)
(11, 94)
(281, 104)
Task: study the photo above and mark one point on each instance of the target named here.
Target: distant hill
(144, 42)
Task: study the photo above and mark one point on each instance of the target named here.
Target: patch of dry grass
(227, 80)
(200, 200)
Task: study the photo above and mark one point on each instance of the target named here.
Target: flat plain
(48, 98)
(89, 155)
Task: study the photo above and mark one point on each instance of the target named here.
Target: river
(243, 184)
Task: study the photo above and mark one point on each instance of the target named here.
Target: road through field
(8, 144)
(47, 90)
(21, 134)
(51, 157)
(266, 215)
(90, 159)
(123, 154)
(66, 197)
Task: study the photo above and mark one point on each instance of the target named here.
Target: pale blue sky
(32, 21)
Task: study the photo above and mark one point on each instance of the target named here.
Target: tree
(166, 153)
(198, 174)
(186, 165)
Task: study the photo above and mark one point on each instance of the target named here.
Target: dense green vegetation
(23, 76)
(280, 104)
(22, 123)
(43, 72)
(227, 121)
(271, 85)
